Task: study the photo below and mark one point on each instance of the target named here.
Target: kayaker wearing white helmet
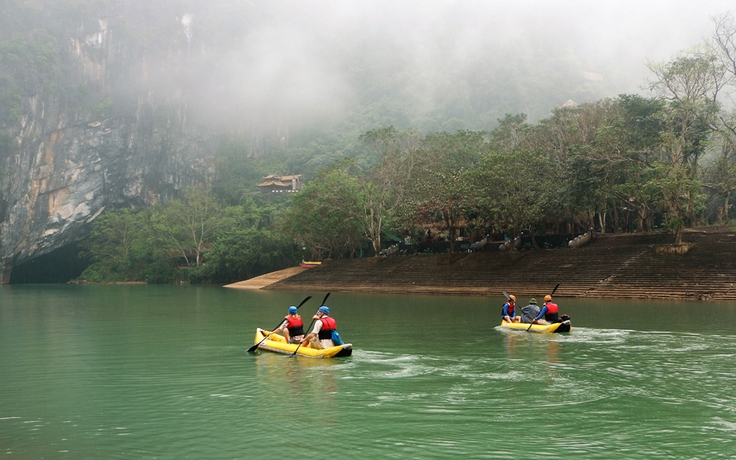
(321, 335)
(292, 327)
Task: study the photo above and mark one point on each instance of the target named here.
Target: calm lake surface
(143, 372)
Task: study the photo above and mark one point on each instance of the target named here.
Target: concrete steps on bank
(662, 276)
(608, 267)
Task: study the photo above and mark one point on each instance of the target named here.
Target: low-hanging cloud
(296, 61)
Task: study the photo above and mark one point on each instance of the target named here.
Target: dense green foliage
(195, 239)
(607, 166)
(390, 144)
(623, 164)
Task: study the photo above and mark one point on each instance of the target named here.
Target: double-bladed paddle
(553, 293)
(310, 326)
(255, 347)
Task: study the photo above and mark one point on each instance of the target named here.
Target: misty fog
(301, 61)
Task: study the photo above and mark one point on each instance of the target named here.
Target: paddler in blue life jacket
(292, 327)
(508, 312)
(321, 335)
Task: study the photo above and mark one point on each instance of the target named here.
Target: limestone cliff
(63, 164)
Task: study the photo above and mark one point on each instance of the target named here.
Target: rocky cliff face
(63, 165)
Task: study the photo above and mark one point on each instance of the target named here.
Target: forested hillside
(149, 124)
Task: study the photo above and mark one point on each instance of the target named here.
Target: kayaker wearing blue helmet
(292, 327)
(321, 335)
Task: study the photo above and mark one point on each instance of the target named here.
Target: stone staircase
(627, 266)
(706, 271)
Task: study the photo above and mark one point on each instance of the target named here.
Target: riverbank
(260, 282)
(644, 266)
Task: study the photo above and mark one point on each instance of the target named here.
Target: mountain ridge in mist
(276, 67)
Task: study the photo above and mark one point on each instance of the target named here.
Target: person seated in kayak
(549, 311)
(530, 312)
(292, 327)
(508, 312)
(321, 335)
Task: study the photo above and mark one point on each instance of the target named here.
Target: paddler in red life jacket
(508, 312)
(321, 335)
(292, 327)
(549, 311)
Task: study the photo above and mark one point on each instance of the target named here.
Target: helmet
(512, 297)
(533, 300)
(293, 310)
(324, 310)
(547, 298)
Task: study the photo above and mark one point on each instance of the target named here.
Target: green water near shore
(162, 372)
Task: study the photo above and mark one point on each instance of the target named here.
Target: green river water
(162, 372)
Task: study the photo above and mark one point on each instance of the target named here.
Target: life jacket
(552, 312)
(328, 325)
(295, 326)
(509, 310)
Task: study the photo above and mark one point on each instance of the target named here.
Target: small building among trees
(281, 184)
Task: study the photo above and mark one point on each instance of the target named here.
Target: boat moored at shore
(309, 264)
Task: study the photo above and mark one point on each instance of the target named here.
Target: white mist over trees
(322, 87)
(281, 70)
(435, 66)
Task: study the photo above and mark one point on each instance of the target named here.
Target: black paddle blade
(254, 347)
(325, 299)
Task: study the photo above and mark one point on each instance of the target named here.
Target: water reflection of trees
(299, 385)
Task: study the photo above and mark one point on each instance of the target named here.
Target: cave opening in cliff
(59, 266)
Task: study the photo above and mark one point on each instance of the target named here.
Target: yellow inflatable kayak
(563, 326)
(277, 344)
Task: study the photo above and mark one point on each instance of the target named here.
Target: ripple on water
(175, 393)
(391, 366)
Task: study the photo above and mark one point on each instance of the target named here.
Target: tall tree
(385, 186)
(118, 241)
(440, 200)
(719, 173)
(625, 150)
(252, 246)
(189, 225)
(439, 197)
(567, 138)
(723, 46)
(326, 215)
(690, 84)
(514, 189)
